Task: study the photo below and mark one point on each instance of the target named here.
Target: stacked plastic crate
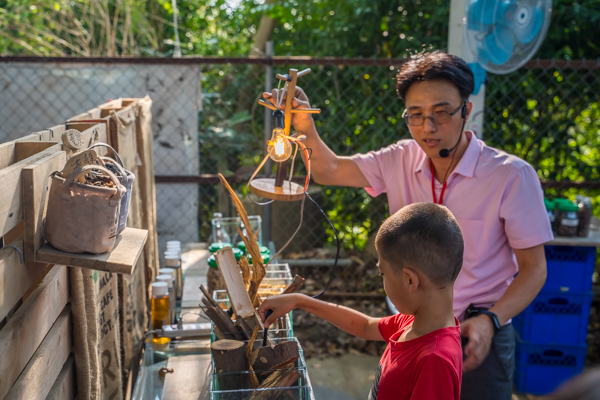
(551, 332)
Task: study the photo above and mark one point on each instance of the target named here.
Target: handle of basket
(86, 168)
(118, 157)
(119, 167)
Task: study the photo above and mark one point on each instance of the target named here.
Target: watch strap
(494, 318)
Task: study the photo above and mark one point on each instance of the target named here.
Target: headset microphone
(444, 153)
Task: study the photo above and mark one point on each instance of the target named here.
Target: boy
(420, 251)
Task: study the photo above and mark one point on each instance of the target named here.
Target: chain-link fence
(547, 113)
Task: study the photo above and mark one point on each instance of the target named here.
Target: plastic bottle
(168, 279)
(219, 232)
(173, 261)
(159, 305)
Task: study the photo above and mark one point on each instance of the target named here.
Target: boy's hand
(480, 332)
(301, 121)
(280, 305)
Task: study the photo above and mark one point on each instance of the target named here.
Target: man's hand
(280, 305)
(301, 121)
(480, 332)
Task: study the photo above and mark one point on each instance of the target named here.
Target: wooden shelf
(121, 259)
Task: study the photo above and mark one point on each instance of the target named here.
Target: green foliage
(82, 27)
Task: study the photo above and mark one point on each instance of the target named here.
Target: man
(496, 198)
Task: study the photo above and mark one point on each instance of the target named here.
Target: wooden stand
(266, 188)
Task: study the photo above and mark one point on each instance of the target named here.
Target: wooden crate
(36, 334)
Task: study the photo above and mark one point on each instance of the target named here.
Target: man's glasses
(438, 118)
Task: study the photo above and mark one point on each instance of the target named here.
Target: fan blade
(480, 13)
(498, 46)
(527, 23)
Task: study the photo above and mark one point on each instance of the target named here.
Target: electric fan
(502, 35)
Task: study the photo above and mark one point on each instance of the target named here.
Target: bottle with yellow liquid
(160, 309)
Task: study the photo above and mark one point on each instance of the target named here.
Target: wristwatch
(494, 318)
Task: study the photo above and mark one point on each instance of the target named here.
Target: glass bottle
(584, 215)
(168, 279)
(159, 305)
(219, 232)
(568, 221)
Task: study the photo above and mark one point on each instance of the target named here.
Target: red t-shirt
(426, 368)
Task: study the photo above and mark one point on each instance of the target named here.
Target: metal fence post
(266, 229)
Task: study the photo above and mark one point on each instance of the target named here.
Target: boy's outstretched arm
(348, 320)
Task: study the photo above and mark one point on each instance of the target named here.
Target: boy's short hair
(432, 66)
(424, 236)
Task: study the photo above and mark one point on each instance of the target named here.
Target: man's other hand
(480, 332)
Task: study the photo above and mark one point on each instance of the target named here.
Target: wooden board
(146, 177)
(24, 332)
(64, 386)
(52, 134)
(189, 378)
(11, 202)
(36, 187)
(37, 379)
(236, 290)
(121, 259)
(25, 150)
(16, 279)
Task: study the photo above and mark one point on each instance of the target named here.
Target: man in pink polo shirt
(496, 198)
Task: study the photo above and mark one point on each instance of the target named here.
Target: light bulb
(280, 148)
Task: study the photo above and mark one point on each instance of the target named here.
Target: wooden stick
(209, 297)
(267, 104)
(306, 111)
(223, 322)
(295, 285)
(282, 378)
(253, 379)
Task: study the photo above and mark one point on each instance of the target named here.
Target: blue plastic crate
(570, 268)
(541, 368)
(559, 318)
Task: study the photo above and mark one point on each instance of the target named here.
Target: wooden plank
(123, 136)
(121, 259)
(16, 279)
(236, 290)
(37, 379)
(146, 177)
(8, 150)
(64, 386)
(52, 134)
(188, 378)
(25, 150)
(24, 332)
(36, 187)
(11, 206)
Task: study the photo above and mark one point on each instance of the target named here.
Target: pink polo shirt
(496, 198)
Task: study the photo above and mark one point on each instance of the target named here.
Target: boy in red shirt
(420, 252)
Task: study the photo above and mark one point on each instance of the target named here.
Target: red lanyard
(433, 185)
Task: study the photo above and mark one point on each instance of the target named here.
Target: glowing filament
(280, 148)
